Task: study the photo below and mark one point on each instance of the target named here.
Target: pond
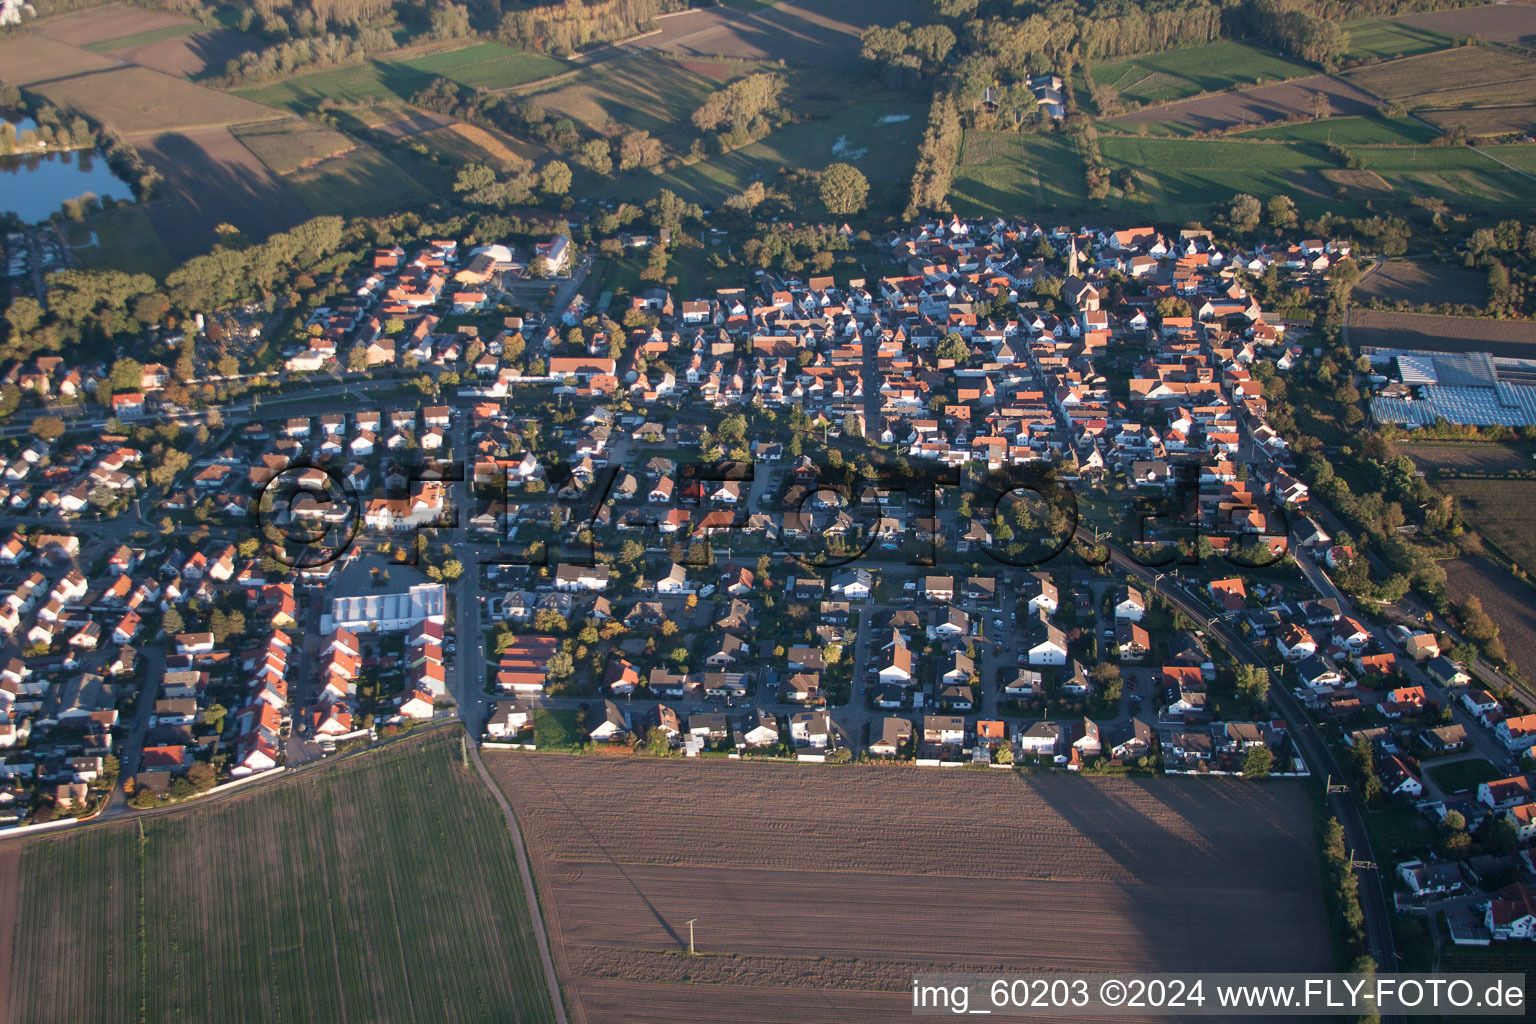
(35, 185)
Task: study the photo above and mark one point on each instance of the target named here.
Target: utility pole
(690, 936)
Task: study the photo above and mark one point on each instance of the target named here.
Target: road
(1345, 806)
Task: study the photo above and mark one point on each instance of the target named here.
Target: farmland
(361, 181)
(29, 59)
(97, 25)
(1389, 38)
(1184, 177)
(1515, 610)
(1179, 74)
(1259, 106)
(286, 146)
(210, 178)
(382, 888)
(1466, 457)
(136, 100)
(1349, 131)
(1418, 281)
(820, 33)
(819, 892)
(1485, 120)
(652, 93)
(1464, 77)
(484, 65)
(1497, 23)
(1499, 510)
(1005, 173)
(1385, 329)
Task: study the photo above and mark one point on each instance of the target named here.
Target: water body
(35, 185)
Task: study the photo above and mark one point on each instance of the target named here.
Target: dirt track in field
(819, 891)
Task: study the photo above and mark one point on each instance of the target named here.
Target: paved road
(1345, 806)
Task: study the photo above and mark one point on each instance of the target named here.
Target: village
(1019, 504)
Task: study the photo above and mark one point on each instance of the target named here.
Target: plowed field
(818, 892)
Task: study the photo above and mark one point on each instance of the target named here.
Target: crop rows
(382, 888)
(805, 880)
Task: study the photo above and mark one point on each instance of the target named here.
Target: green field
(1180, 74)
(1461, 776)
(1460, 175)
(884, 151)
(145, 38)
(124, 239)
(648, 92)
(1382, 39)
(1004, 173)
(1348, 131)
(484, 65)
(1523, 156)
(1182, 178)
(382, 888)
(358, 183)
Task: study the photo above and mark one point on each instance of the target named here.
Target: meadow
(1389, 38)
(857, 134)
(1371, 129)
(1004, 173)
(481, 66)
(360, 182)
(121, 238)
(381, 888)
(1179, 74)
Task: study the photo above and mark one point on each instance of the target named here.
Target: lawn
(125, 240)
(145, 38)
(1004, 173)
(484, 65)
(1383, 39)
(360, 182)
(1461, 776)
(555, 729)
(859, 134)
(1179, 74)
(382, 888)
(1348, 131)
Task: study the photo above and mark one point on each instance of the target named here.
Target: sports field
(1178, 74)
(382, 888)
(817, 892)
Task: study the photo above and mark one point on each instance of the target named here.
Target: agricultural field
(467, 143)
(1466, 456)
(1521, 156)
(1004, 173)
(121, 238)
(381, 888)
(1386, 329)
(1390, 38)
(1469, 76)
(191, 54)
(108, 22)
(1459, 176)
(656, 94)
(483, 65)
(211, 179)
(136, 101)
(143, 38)
(27, 59)
(1371, 129)
(1515, 610)
(1259, 106)
(1485, 120)
(1497, 23)
(1179, 74)
(819, 33)
(1181, 179)
(818, 891)
(360, 182)
(864, 134)
(1500, 511)
(287, 146)
(1419, 281)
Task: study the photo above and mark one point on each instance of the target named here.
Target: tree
(452, 569)
(48, 428)
(1281, 213)
(473, 178)
(1258, 762)
(555, 179)
(171, 623)
(203, 776)
(1244, 213)
(213, 715)
(954, 347)
(844, 189)
(24, 314)
(1253, 683)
